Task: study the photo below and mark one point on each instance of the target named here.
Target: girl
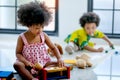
(30, 47)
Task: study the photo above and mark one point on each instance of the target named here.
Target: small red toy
(54, 73)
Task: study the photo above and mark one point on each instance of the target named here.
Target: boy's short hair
(89, 17)
(33, 13)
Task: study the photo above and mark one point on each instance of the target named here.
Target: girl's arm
(19, 48)
(54, 49)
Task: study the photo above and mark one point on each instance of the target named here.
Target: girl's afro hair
(34, 13)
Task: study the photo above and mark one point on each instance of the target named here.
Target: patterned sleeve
(71, 37)
(98, 34)
(83, 41)
(74, 36)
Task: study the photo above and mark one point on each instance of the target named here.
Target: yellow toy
(59, 48)
(38, 66)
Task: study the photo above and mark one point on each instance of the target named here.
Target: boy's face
(90, 28)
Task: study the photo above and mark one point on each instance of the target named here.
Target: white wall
(69, 14)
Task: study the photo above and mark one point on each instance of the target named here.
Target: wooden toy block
(70, 61)
(52, 73)
(6, 75)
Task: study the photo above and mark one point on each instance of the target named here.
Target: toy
(106, 51)
(6, 75)
(70, 61)
(111, 49)
(38, 66)
(53, 72)
(117, 52)
(59, 48)
(50, 73)
(81, 61)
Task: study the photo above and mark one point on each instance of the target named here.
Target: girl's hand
(29, 64)
(60, 62)
(100, 49)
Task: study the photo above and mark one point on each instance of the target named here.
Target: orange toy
(38, 66)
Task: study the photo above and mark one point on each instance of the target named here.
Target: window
(109, 12)
(8, 16)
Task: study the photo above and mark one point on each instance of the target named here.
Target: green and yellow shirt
(80, 38)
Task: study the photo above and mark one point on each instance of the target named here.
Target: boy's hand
(100, 49)
(112, 47)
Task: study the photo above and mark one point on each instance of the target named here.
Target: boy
(79, 39)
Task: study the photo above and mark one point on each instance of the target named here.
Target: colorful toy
(111, 48)
(52, 72)
(59, 48)
(116, 52)
(6, 75)
(70, 61)
(106, 51)
(38, 66)
(81, 61)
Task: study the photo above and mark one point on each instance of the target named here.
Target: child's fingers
(112, 47)
(100, 49)
(61, 64)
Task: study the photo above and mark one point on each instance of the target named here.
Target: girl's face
(36, 29)
(90, 28)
